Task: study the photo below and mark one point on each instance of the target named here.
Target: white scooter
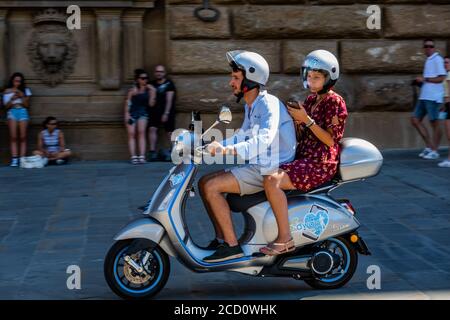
(324, 230)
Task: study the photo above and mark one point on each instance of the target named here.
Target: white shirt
(7, 97)
(267, 135)
(434, 67)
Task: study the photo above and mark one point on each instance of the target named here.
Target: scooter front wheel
(125, 281)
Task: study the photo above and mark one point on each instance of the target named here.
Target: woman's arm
(25, 100)
(326, 136)
(152, 98)
(62, 141)
(40, 144)
(300, 115)
(10, 103)
(126, 109)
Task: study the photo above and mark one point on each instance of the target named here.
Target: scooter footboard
(146, 228)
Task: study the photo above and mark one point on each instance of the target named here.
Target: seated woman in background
(51, 143)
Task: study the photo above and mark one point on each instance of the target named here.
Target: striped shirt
(51, 141)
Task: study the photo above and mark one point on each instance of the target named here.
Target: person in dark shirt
(163, 113)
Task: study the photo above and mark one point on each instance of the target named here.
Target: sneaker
(444, 164)
(433, 155)
(14, 162)
(134, 160)
(142, 160)
(60, 161)
(425, 152)
(214, 245)
(225, 252)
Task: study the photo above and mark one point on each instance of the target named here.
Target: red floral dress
(316, 163)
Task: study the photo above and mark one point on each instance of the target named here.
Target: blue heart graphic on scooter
(316, 222)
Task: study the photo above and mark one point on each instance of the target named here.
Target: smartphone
(293, 104)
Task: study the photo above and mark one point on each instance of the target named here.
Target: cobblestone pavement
(59, 216)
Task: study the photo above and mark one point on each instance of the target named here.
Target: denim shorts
(429, 107)
(18, 114)
(138, 113)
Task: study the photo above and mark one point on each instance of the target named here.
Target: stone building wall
(118, 36)
(377, 65)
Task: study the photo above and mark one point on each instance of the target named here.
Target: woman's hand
(299, 114)
(164, 118)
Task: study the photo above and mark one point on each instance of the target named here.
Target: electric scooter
(324, 230)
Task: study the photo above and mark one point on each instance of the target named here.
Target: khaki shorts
(250, 178)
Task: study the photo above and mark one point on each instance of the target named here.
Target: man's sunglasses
(428, 46)
(143, 78)
(159, 71)
(52, 123)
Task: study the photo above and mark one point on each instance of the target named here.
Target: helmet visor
(305, 72)
(232, 60)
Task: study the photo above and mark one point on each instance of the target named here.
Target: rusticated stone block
(417, 21)
(276, 1)
(294, 52)
(384, 56)
(185, 25)
(201, 1)
(302, 22)
(208, 93)
(291, 87)
(208, 56)
(384, 93)
(203, 93)
(373, 2)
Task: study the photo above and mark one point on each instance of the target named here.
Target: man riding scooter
(266, 140)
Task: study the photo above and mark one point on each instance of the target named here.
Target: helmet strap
(330, 83)
(246, 86)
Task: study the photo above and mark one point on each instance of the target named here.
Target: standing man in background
(163, 113)
(430, 100)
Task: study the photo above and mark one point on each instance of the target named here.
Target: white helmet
(254, 67)
(321, 60)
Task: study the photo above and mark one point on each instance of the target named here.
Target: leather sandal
(271, 250)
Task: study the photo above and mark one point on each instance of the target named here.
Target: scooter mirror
(225, 115)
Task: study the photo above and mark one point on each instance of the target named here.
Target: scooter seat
(239, 203)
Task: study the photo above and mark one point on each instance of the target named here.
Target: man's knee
(415, 121)
(272, 181)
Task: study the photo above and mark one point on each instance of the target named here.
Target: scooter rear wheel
(125, 281)
(347, 269)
